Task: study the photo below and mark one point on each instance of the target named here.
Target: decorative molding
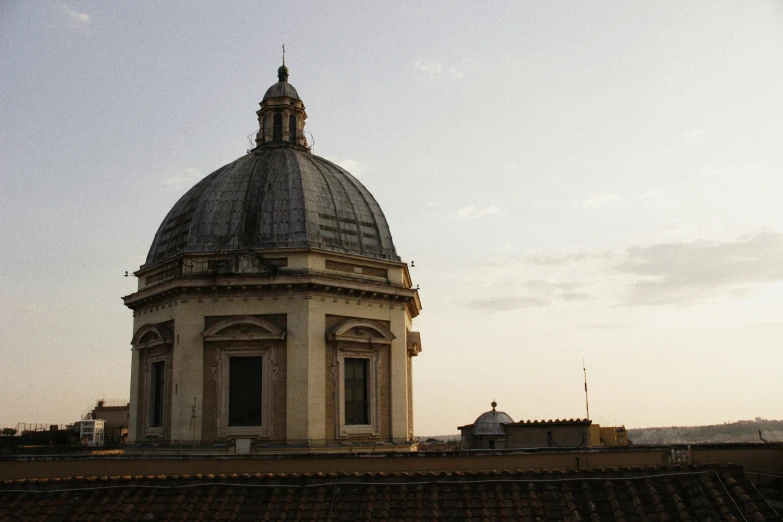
(308, 282)
(270, 331)
(343, 332)
(413, 343)
(155, 335)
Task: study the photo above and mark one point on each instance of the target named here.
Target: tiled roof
(556, 421)
(653, 494)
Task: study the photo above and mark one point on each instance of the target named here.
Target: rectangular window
(244, 394)
(156, 393)
(356, 392)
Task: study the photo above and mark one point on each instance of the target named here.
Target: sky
(575, 181)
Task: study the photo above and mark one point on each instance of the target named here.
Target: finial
(282, 71)
(494, 404)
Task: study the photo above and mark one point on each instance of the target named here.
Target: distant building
(608, 436)
(488, 431)
(91, 432)
(558, 433)
(497, 430)
(115, 419)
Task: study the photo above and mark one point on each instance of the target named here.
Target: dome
(281, 89)
(491, 422)
(276, 197)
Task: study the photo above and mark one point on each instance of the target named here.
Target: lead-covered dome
(491, 422)
(276, 197)
(282, 88)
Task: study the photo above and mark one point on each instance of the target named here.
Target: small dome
(281, 89)
(491, 423)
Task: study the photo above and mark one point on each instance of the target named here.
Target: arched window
(277, 131)
(292, 129)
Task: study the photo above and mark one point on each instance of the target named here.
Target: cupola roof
(492, 422)
(282, 88)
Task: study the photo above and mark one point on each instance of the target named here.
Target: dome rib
(371, 205)
(328, 186)
(337, 178)
(253, 203)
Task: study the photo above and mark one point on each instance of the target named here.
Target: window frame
(157, 395)
(292, 130)
(277, 138)
(364, 364)
(372, 355)
(264, 430)
(152, 357)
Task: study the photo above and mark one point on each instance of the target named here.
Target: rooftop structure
(273, 312)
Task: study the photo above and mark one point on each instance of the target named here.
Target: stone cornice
(282, 284)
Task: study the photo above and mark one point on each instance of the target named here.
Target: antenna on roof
(587, 404)
(283, 54)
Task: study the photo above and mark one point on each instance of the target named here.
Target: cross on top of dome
(282, 71)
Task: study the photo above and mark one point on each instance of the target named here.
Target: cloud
(472, 212)
(545, 285)
(658, 197)
(430, 67)
(568, 258)
(602, 199)
(536, 292)
(576, 296)
(74, 18)
(179, 179)
(501, 304)
(666, 273)
(434, 68)
(354, 167)
(693, 271)
(693, 134)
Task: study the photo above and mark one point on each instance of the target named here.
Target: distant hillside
(741, 431)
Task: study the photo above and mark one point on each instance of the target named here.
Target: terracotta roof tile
(619, 494)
